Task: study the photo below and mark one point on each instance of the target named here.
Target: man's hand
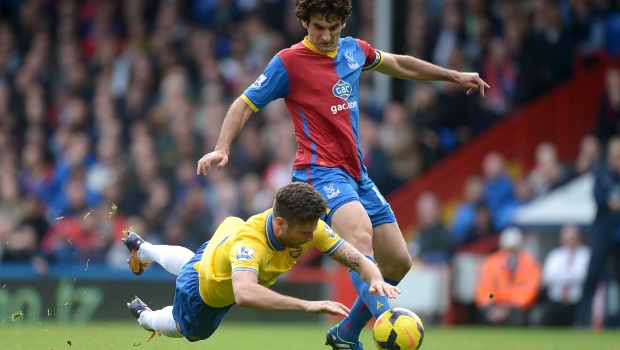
(471, 81)
(217, 156)
(327, 307)
(384, 289)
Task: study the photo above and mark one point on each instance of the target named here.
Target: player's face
(296, 236)
(324, 34)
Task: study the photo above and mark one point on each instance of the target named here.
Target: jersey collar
(271, 237)
(311, 46)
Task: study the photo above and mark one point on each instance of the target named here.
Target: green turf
(19, 335)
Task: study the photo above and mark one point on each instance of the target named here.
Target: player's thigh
(377, 208)
(388, 244)
(390, 248)
(352, 223)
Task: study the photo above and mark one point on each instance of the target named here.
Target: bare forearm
(347, 255)
(236, 117)
(261, 298)
(369, 272)
(411, 68)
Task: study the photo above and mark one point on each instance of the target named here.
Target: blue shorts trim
(197, 320)
(339, 188)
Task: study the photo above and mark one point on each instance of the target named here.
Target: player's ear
(305, 24)
(280, 222)
(344, 24)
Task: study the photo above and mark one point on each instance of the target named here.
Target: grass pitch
(22, 336)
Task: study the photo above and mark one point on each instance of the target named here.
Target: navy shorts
(197, 320)
(339, 188)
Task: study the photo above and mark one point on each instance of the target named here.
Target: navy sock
(350, 327)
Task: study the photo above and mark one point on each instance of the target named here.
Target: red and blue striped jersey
(321, 92)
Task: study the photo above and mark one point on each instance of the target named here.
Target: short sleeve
(271, 85)
(245, 256)
(325, 239)
(374, 57)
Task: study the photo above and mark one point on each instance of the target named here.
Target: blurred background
(106, 107)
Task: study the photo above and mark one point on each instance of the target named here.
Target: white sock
(160, 321)
(170, 257)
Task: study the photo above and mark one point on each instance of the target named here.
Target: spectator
(547, 56)
(523, 195)
(465, 214)
(564, 272)
(22, 245)
(608, 123)
(398, 141)
(483, 224)
(451, 34)
(457, 112)
(423, 108)
(375, 159)
(586, 27)
(509, 282)
(432, 238)
(612, 32)
(588, 158)
(498, 190)
(603, 240)
(548, 172)
(502, 72)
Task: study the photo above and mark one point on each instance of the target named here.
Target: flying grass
(291, 336)
(16, 315)
(127, 231)
(113, 210)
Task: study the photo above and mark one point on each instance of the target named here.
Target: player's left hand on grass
(384, 289)
(473, 82)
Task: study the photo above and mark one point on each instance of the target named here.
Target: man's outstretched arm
(411, 68)
(249, 293)
(236, 117)
(350, 257)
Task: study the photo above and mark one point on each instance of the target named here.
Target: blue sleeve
(271, 85)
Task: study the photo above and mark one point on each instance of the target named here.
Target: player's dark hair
(299, 203)
(329, 9)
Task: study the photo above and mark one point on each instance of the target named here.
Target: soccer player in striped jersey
(318, 79)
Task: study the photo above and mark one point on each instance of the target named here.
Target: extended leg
(390, 247)
(353, 224)
(171, 258)
(160, 321)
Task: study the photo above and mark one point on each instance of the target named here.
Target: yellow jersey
(251, 246)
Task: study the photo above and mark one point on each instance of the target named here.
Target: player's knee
(396, 267)
(362, 241)
(406, 263)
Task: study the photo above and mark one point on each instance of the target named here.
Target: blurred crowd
(513, 286)
(106, 106)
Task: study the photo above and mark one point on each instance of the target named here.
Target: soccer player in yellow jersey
(241, 261)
